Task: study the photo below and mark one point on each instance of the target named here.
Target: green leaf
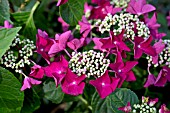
(119, 98)
(20, 17)
(31, 101)
(6, 38)
(72, 11)
(30, 29)
(52, 93)
(11, 98)
(25, 19)
(4, 11)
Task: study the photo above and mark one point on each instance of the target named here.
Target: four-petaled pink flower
(115, 42)
(28, 82)
(160, 80)
(60, 43)
(105, 84)
(163, 77)
(158, 46)
(139, 7)
(85, 27)
(76, 43)
(37, 71)
(43, 45)
(58, 67)
(57, 70)
(98, 44)
(153, 27)
(150, 80)
(123, 71)
(73, 84)
(143, 46)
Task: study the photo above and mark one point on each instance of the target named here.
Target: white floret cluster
(19, 54)
(90, 63)
(144, 107)
(124, 21)
(164, 56)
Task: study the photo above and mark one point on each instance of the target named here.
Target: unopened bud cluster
(126, 21)
(144, 107)
(18, 55)
(120, 3)
(90, 63)
(164, 56)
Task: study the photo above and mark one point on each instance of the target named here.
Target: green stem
(146, 91)
(34, 8)
(85, 102)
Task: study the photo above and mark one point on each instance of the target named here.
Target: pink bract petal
(98, 44)
(37, 71)
(142, 45)
(7, 24)
(76, 43)
(152, 102)
(148, 8)
(161, 79)
(164, 109)
(63, 39)
(150, 80)
(59, 43)
(85, 27)
(130, 76)
(139, 7)
(158, 46)
(129, 65)
(167, 70)
(72, 84)
(105, 85)
(54, 49)
(56, 67)
(65, 26)
(43, 44)
(126, 108)
(28, 82)
(87, 8)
